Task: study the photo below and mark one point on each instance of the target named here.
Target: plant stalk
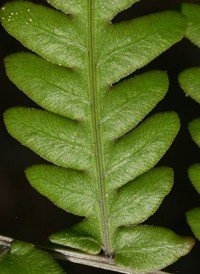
(92, 260)
(77, 257)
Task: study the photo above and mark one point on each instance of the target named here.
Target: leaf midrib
(95, 127)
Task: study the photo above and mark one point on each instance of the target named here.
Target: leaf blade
(145, 39)
(74, 7)
(52, 89)
(189, 81)
(57, 183)
(47, 32)
(137, 152)
(192, 11)
(108, 9)
(193, 219)
(154, 247)
(25, 258)
(139, 199)
(130, 101)
(55, 138)
(194, 175)
(83, 236)
(194, 129)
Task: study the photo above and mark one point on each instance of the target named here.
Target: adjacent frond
(190, 83)
(192, 12)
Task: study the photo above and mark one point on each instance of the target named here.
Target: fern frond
(190, 82)
(92, 128)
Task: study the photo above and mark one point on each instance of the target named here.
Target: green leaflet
(83, 236)
(194, 128)
(64, 183)
(123, 108)
(108, 8)
(193, 219)
(193, 215)
(152, 244)
(91, 129)
(190, 82)
(25, 258)
(130, 202)
(59, 140)
(192, 11)
(140, 198)
(194, 175)
(50, 89)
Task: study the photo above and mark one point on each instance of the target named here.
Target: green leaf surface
(139, 47)
(92, 127)
(148, 248)
(84, 236)
(140, 198)
(124, 107)
(108, 9)
(194, 175)
(190, 83)
(25, 258)
(57, 139)
(193, 219)
(59, 41)
(51, 89)
(134, 154)
(57, 183)
(67, 44)
(194, 128)
(192, 11)
(189, 80)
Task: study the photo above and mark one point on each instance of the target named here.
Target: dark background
(26, 215)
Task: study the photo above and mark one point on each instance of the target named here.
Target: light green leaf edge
(189, 81)
(27, 259)
(193, 219)
(65, 142)
(194, 175)
(194, 129)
